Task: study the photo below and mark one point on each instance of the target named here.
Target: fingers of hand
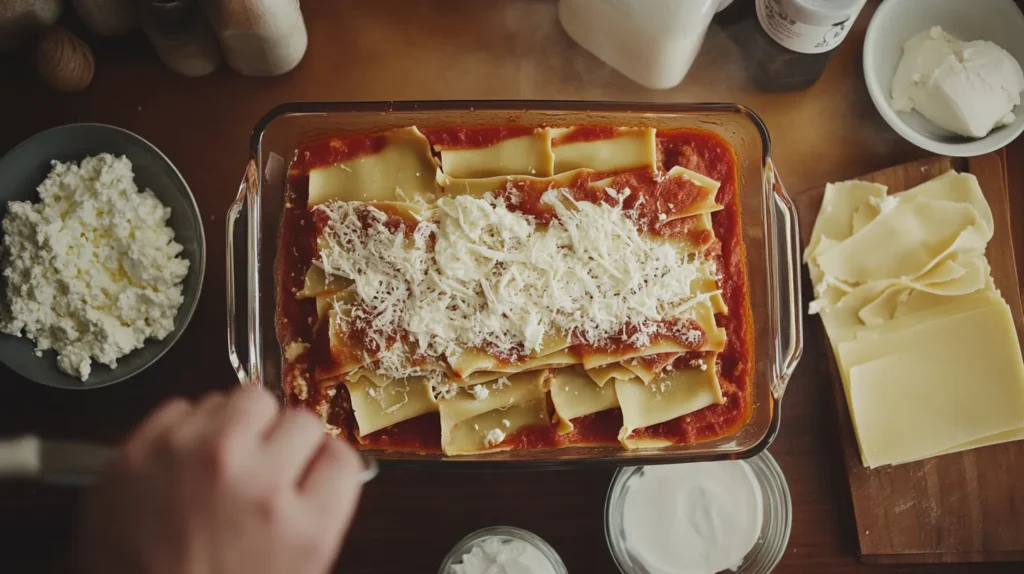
(200, 420)
(293, 441)
(225, 430)
(249, 413)
(333, 477)
(331, 489)
(158, 424)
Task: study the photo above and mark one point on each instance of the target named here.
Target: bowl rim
(776, 525)
(500, 531)
(990, 143)
(187, 306)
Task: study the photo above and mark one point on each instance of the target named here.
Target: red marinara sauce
(709, 154)
(698, 150)
(469, 138)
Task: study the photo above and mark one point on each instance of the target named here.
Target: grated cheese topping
(474, 274)
(494, 437)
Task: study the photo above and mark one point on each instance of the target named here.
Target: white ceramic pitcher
(653, 42)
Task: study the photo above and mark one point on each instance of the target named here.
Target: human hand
(228, 485)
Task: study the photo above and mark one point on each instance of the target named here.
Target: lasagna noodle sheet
(598, 358)
(672, 395)
(628, 148)
(702, 200)
(327, 301)
(701, 312)
(707, 283)
(905, 241)
(525, 155)
(927, 398)
(574, 394)
(613, 371)
(342, 357)
(317, 283)
(472, 361)
(378, 407)
(649, 367)
(477, 187)
(481, 377)
(921, 305)
(369, 375)
(954, 187)
(487, 432)
(553, 352)
(873, 303)
(835, 219)
(695, 234)
(554, 360)
(951, 278)
(464, 429)
(404, 168)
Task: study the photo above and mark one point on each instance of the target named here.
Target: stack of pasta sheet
(925, 344)
(491, 281)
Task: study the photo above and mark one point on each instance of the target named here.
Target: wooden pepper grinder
(64, 61)
(259, 37)
(179, 31)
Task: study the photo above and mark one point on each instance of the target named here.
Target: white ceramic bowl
(895, 21)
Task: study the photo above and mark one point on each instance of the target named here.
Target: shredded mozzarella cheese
(475, 274)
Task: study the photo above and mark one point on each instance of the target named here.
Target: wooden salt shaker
(259, 37)
(20, 19)
(108, 17)
(64, 61)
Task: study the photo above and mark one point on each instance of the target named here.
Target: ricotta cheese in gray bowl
(102, 256)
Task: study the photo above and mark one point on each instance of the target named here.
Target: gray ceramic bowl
(23, 168)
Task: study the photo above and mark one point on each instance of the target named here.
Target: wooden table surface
(434, 50)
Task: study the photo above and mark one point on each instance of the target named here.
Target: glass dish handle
(245, 189)
(789, 307)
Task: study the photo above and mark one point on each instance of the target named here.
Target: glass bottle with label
(788, 43)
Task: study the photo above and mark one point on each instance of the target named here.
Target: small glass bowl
(762, 558)
(462, 547)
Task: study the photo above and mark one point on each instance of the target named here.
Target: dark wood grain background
(390, 49)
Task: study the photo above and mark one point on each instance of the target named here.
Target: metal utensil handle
(371, 471)
(79, 464)
(21, 457)
(789, 352)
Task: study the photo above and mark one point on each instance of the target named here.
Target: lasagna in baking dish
(466, 290)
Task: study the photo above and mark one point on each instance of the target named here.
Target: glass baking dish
(769, 227)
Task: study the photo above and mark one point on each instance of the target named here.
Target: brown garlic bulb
(64, 61)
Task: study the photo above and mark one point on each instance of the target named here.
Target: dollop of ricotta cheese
(969, 88)
(91, 270)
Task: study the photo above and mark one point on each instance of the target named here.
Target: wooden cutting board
(962, 507)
